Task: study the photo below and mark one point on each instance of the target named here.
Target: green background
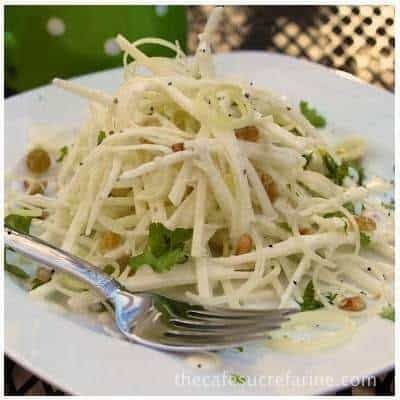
(33, 56)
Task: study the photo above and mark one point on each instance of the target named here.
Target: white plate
(81, 359)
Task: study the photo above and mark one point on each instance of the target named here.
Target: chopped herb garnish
(285, 226)
(240, 349)
(387, 312)
(16, 271)
(36, 283)
(349, 207)
(237, 379)
(331, 297)
(164, 249)
(365, 240)
(108, 269)
(101, 137)
(312, 115)
(20, 223)
(308, 158)
(309, 301)
(63, 153)
(338, 172)
(389, 206)
(356, 165)
(336, 214)
(13, 269)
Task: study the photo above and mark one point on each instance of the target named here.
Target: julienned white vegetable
(185, 148)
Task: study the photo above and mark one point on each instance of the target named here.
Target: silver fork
(151, 319)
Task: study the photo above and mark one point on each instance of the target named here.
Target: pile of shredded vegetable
(216, 189)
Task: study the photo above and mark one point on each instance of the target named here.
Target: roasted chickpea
(365, 223)
(178, 147)
(43, 274)
(38, 161)
(249, 133)
(120, 192)
(35, 187)
(305, 231)
(244, 244)
(270, 187)
(110, 240)
(355, 303)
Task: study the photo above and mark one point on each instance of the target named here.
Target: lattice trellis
(359, 40)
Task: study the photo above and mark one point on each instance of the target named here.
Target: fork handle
(45, 253)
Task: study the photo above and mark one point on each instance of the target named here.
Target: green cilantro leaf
(365, 240)
(101, 137)
(237, 379)
(309, 301)
(240, 349)
(331, 297)
(338, 172)
(13, 269)
(173, 308)
(308, 158)
(20, 223)
(336, 214)
(389, 206)
(164, 249)
(108, 269)
(359, 169)
(63, 153)
(387, 312)
(36, 283)
(312, 115)
(285, 226)
(16, 271)
(350, 207)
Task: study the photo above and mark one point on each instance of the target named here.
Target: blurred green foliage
(42, 42)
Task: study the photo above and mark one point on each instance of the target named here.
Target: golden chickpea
(244, 244)
(305, 231)
(355, 303)
(120, 192)
(38, 161)
(178, 147)
(365, 223)
(35, 187)
(110, 241)
(43, 274)
(270, 187)
(249, 133)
